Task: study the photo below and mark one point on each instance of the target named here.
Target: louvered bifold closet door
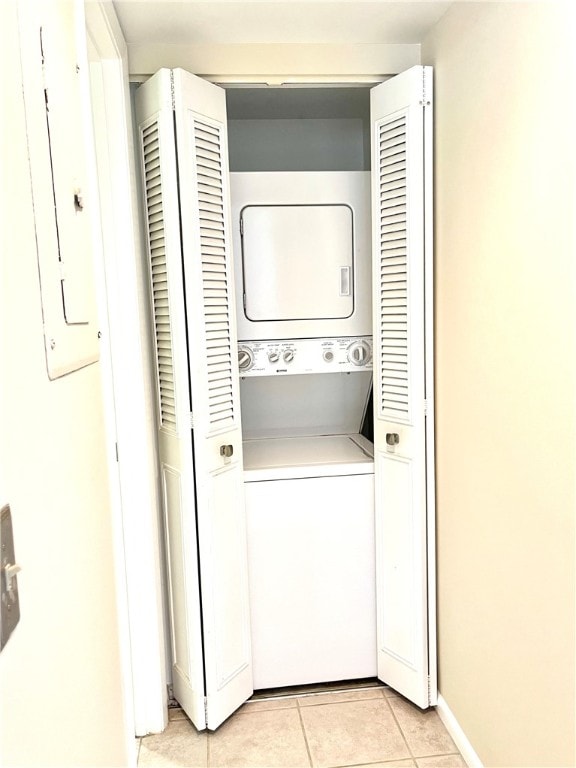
(401, 114)
(200, 119)
(155, 120)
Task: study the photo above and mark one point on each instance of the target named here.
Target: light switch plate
(10, 606)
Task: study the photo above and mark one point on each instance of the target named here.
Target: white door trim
(128, 391)
(458, 736)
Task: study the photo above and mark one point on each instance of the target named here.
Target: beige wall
(60, 690)
(274, 62)
(506, 298)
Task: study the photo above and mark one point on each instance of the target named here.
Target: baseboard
(458, 736)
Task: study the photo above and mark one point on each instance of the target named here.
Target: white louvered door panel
(161, 207)
(200, 118)
(393, 337)
(150, 137)
(215, 273)
(401, 115)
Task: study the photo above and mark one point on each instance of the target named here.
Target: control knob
(359, 352)
(273, 357)
(288, 355)
(245, 358)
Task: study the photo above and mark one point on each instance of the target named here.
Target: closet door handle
(392, 438)
(226, 451)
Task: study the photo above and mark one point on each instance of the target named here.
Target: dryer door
(297, 262)
(200, 441)
(403, 398)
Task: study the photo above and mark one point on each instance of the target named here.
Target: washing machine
(310, 530)
(309, 492)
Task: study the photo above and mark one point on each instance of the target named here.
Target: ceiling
(196, 22)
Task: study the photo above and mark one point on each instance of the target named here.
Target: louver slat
(159, 276)
(215, 277)
(394, 375)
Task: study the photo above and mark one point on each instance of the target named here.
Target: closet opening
(299, 163)
(299, 549)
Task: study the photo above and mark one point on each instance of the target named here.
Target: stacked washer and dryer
(302, 246)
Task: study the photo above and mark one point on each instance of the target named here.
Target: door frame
(128, 393)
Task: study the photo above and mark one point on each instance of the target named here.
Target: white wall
(505, 330)
(60, 692)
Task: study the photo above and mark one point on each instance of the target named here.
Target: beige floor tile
(442, 761)
(424, 731)
(352, 733)
(261, 739)
(338, 696)
(389, 764)
(175, 713)
(259, 705)
(180, 745)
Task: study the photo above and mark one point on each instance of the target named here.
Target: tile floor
(366, 727)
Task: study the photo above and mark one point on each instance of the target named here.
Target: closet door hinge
(191, 420)
(241, 225)
(426, 100)
(172, 703)
(206, 710)
(425, 407)
(172, 91)
(429, 690)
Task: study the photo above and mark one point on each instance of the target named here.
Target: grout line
(383, 762)
(208, 740)
(138, 750)
(309, 694)
(304, 733)
(412, 755)
(444, 754)
(339, 701)
(415, 758)
(377, 693)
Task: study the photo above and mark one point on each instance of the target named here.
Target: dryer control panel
(296, 356)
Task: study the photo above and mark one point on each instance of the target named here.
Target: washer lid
(299, 457)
